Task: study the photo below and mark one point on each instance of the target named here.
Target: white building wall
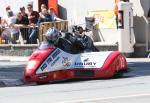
(77, 10)
(140, 7)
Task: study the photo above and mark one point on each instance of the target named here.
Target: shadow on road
(139, 69)
(136, 69)
(11, 72)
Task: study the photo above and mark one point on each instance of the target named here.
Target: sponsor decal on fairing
(60, 60)
(66, 61)
(85, 63)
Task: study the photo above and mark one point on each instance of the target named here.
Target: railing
(21, 35)
(147, 34)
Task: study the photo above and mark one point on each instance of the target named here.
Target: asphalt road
(11, 73)
(132, 87)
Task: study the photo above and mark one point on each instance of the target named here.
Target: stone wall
(17, 50)
(26, 50)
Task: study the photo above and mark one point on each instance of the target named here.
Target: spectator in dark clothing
(32, 15)
(23, 12)
(33, 19)
(21, 21)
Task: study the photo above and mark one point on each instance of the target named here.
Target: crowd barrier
(15, 35)
(21, 35)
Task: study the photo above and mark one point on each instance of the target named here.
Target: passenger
(69, 42)
(79, 33)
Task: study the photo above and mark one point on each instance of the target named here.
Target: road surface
(132, 87)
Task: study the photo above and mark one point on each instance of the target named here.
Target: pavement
(14, 58)
(138, 59)
(12, 76)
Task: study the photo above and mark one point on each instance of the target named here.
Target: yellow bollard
(0, 40)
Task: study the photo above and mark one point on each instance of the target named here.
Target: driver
(68, 42)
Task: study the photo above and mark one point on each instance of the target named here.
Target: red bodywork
(115, 62)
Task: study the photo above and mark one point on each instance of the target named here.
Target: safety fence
(24, 34)
(147, 33)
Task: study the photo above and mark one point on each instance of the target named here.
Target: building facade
(75, 11)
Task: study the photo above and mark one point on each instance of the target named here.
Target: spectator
(32, 15)
(6, 19)
(46, 17)
(116, 11)
(8, 8)
(10, 33)
(43, 6)
(20, 19)
(20, 22)
(52, 13)
(33, 19)
(23, 13)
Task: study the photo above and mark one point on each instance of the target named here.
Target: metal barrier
(147, 34)
(21, 36)
(10, 35)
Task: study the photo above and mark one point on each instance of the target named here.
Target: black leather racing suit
(75, 43)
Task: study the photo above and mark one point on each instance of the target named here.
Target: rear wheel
(118, 74)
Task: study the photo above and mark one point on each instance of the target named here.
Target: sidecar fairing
(54, 64)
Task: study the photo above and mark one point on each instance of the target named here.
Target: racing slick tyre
(118, 74)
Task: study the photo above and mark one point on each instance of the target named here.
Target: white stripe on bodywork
(60, 60)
